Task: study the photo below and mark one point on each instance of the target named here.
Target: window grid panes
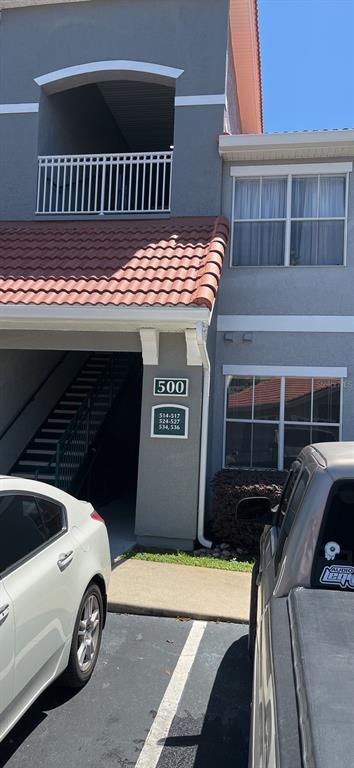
(292, 220)
(260, 220)
(259, 410)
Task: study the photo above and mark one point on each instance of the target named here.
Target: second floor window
(290, 221)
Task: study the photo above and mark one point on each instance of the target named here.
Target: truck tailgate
(322, 633)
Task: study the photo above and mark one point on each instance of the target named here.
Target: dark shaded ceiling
(144, 113)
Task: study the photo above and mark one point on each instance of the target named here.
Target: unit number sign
(169, 421)
(175, 387)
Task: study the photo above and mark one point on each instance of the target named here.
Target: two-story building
(175, 286)
(112, 242)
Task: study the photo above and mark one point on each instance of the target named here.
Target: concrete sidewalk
(161, 589)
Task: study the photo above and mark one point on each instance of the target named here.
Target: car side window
(291, 512)
(333, 566)
(25, 526)
(51, 517)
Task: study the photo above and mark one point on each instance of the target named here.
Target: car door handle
(65, 559)
(4, 612)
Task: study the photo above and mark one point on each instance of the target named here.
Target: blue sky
(307, 54)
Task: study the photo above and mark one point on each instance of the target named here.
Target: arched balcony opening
(105, 146)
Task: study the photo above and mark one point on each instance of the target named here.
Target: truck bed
(288, 736)
(322, 639)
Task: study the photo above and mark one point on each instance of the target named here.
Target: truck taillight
(96, 516)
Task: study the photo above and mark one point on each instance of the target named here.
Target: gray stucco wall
(167, 499)
(197, 169)
(18, 165)
(187, 34)
(21, 372)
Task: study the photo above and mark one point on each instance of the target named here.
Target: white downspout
(201, 331)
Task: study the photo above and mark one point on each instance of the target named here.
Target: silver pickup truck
(302, 616)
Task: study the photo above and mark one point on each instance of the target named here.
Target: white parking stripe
(155, 740)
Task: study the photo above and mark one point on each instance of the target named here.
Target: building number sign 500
(175, 387)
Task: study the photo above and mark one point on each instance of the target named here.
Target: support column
(168, 476)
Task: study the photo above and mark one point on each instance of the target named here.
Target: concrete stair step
(40, 452)
(75, 404)
(58, 421)
(81, 387)
(94, 368)
(32, 476)
(45, 440)
(31, 463)
(54, 430)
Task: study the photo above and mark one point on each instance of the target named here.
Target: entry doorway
(110, 483)
(71, 418)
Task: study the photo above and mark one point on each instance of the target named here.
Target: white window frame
(288, 171)
(256, 371)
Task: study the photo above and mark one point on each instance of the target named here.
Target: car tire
(252, 629)
(86, 639)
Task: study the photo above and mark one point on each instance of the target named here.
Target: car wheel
(86, 640)
(253, 612)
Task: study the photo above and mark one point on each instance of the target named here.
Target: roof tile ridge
(217, 245)
(210, 271)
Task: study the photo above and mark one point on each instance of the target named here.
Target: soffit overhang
(309, 145)
(247, 63)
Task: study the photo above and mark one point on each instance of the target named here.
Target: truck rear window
(334, 559)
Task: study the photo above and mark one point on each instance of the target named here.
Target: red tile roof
(145, 262)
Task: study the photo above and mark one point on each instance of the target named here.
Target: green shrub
(229, 486)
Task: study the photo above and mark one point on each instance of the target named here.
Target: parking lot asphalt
(165, 694)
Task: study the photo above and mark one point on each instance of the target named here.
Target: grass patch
(186, 558)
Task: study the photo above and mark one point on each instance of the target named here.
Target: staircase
(58, 449)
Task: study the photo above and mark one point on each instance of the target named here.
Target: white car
(54, 572)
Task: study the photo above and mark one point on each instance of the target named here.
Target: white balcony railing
(139, 182)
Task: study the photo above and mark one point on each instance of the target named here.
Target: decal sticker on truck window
(331, 550)
(341, 575)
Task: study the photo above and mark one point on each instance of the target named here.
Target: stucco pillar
(167, 495)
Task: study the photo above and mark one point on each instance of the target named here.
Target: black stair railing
(83, 427)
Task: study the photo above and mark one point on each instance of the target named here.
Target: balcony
(104, 184)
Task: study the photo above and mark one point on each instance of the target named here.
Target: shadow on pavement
(225, 733)
(53, 697)
(225, 730)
